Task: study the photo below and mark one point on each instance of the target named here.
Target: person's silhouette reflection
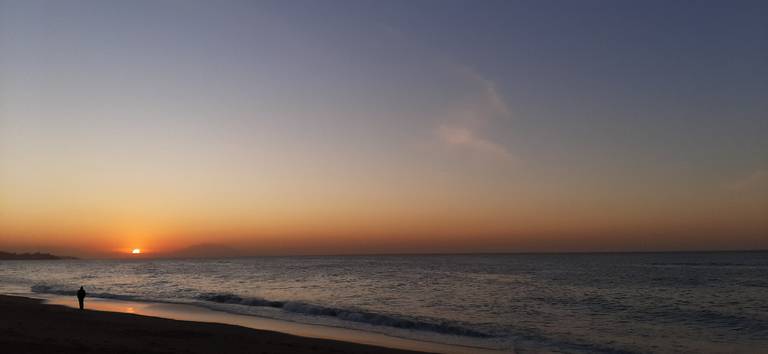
(81, 296)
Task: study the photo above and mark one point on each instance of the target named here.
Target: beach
(30, 326)
(454, 304)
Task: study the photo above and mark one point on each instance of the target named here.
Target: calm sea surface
(664, 302)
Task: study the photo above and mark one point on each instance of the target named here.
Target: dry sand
(29, 326)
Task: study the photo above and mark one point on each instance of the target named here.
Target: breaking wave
(55, 290)
(354, 315)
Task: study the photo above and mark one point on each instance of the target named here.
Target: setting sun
(547, 176)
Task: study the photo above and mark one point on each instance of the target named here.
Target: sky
(340, 127)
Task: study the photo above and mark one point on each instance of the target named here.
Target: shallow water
(664, 302)
(202, 314)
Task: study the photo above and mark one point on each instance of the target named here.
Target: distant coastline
(31, 256)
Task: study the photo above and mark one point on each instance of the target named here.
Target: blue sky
(569, 118)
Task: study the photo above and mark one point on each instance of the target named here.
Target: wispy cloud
(491, 99)
(467, 139)
(466, 122)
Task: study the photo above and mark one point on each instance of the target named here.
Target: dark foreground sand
(28, 326)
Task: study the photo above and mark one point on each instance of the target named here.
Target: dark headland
(31, 256)
(29, 326)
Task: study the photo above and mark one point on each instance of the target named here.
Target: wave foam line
(352, 315)
(345, 314)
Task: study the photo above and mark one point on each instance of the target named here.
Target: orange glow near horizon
(116, 149)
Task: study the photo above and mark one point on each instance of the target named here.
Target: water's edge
(188, 312)
(687, 302)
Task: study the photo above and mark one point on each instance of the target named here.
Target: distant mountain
(205, 251)
(30, 256)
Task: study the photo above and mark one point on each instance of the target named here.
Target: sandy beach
(29, 326)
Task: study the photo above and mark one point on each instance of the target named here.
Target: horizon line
(520, 253)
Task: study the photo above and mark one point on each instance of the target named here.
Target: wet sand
(29, 326)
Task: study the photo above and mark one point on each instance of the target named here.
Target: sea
(707, 302)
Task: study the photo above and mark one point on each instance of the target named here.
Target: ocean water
(652, 302)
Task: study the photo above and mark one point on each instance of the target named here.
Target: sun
(136, 251)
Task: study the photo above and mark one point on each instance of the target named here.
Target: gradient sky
(383, 126)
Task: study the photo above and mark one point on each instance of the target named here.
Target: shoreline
(299, 336)
(29, 325)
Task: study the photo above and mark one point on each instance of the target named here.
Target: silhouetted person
(81, 296)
